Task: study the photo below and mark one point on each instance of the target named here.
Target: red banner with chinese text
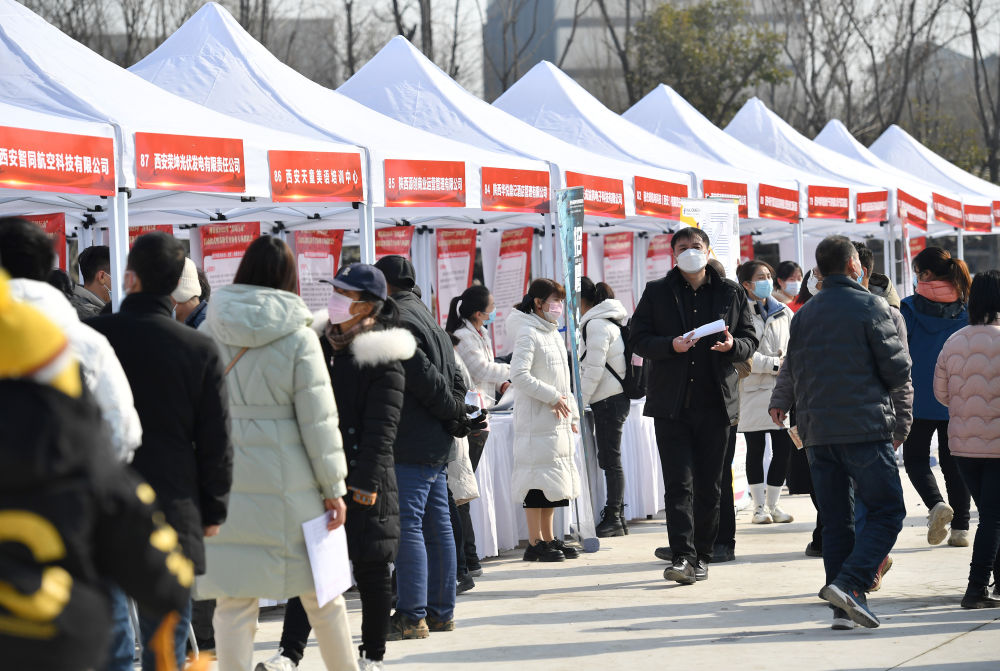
(871, 207)
(38, 160)
(978, 218)
(829, 202)
(456, 255)
(509, 190)
(424, 183)
(654, 198)
(917, 245)
(729, 190)
(135, 231)
(746, 248)
(393, 241)
(189, 163)
(912, 210)
(602, 196)
(774, 202)
(947, 210)
(304, 176)
(659, 257)
(996, 212)
(54, 226)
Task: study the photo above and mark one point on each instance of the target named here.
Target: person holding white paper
(692, 393)
(288, 466)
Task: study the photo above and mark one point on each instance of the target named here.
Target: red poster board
(507, 190)
(917, 245)
(618, 260)
(829, 202)
(510, 282)
(872, 207)
(456, 254)
(317, 257)
(774, 202)
(222, 247)
(912, 210)
(135, 231)
(948, 210)
(38, 160)
(996, 212)
(602, 196)
(746, 248)
(654, 198)
(424, 183)
(303, 176)
(54, 226)
(393, 241)
(978, 218)
(659, 257)
(729, 190)
(189, 163)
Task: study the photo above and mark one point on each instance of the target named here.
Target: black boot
(611, 523)
(624, 520)
(979, 597)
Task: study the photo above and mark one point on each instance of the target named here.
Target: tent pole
(548, 248)
(887, 252)
(366, 232)
(800, 251)
(960, 235)
(119, 246)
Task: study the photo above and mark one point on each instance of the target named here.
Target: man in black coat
(846, 361)
(177, 381)
(693, 394)
(434, 412)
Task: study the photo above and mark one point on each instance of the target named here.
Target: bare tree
(632, 10)
(986, 79)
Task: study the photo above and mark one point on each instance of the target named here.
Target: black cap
(398, 271)
(360, 277)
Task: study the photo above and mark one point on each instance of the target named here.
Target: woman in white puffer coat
(602, 370)
(771, 320)
(545, 418)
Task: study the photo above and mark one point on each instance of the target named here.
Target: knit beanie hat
(187, 286)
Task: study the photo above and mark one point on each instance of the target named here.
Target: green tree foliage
(710, 52)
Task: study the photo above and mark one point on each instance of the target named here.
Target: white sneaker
(779, 516)
(369, 665)
(762, 516)
(277, 663)
(937, 522)
(959, 538)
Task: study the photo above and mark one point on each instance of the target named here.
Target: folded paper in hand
(328, 558)
(718, 326)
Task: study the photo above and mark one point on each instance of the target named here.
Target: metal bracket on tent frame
(278, 227)
(218, 216)
(248, 199)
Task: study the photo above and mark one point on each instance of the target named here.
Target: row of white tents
(429, 152)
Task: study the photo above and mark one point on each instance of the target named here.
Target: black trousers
(461, 518)
(692, 454)
(917, 460)
(983, 479)
(375, 587)
(781, 451)
(609, 418)
(201, 621)
(727, 499)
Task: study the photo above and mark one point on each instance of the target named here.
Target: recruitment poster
(135, 231)
(618, 260)
(317, 257)
(659, 257)
(222, 247)
(719, 218)
(456, 253)
(54, 227)
(510, 282)
(394, 241)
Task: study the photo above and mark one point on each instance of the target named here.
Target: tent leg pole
(119, 246)
(366, 231)
(887, 253)
(960, 234)
(800, 252)
(548, 249)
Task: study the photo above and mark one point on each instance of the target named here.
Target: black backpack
(634, 382)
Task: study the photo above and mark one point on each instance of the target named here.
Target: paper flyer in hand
(331, 567)
(718, 326)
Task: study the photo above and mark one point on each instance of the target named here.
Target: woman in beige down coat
(288, 464)
(967, 380)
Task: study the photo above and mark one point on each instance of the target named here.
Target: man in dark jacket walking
(845, 360)
(433, 413)
(177, 381)
(692, 393)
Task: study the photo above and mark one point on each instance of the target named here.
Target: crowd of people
(196, 431)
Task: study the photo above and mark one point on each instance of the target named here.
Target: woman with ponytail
(469, 318)
(933, 314)
(545, 419)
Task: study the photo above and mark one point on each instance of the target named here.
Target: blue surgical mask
(861, 277)
(490, 318)
(762, 288)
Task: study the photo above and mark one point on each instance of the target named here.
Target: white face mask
(339, 308)
(813, 284)
(792, 287)
(692, 260)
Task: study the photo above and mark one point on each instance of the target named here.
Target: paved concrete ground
(613, 610)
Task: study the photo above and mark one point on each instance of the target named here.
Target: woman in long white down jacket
(288, 464)
(771, 320)
(602, 370)
(545, 418)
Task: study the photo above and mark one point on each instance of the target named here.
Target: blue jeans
(123, 638)
(851, 560)
(426, 562)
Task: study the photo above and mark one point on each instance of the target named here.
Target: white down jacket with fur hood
(544, 444)
(603, 344)
(287, 450)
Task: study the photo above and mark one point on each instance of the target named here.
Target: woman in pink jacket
(967, 380)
